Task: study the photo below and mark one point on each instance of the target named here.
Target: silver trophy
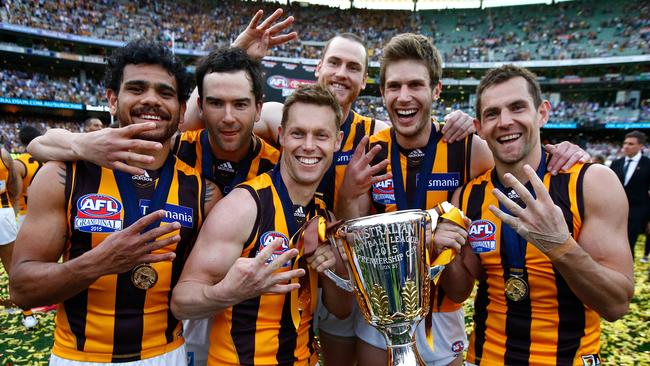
(388, 263)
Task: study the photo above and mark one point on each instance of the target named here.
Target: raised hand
(541, 222)
(256, 39)
(449, 235)
(360, 175)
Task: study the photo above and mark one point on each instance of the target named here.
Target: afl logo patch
(98, 213)
(383, 192)
(277, 82)
(267, 238)
(457, 347)
(482, 236)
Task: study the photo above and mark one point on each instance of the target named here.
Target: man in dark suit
(634, 172)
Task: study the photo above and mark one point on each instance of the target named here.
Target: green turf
(625, 342)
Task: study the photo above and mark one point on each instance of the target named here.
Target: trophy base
(400, 340)
(404, 355)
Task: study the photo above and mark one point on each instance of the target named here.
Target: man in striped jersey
(549, 252)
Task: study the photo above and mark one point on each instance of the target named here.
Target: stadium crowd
(578, 29)
(11, 125)
(32, 85)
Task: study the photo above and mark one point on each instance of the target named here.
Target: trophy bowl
(390, 273)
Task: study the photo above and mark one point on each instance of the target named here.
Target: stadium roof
(419, 4)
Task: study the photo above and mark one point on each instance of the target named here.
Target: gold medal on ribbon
(143, 276)
(516, 288)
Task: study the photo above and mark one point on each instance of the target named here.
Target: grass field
(625, 342)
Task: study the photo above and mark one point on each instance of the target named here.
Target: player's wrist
(560, 250)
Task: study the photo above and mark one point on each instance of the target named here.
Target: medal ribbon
(401, 199)
(514, 244)
(132, 211)
(207, 162)
(292, 230)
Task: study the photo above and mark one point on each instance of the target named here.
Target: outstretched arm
(598, 265)
(215, 277)
(108, 147)
(15, 182)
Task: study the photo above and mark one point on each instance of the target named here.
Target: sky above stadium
(421, 4)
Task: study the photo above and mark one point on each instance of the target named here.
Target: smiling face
(342, 70)
(510, 122)
(229, 111)
(147, 94)
(309, 139)
(408, 98)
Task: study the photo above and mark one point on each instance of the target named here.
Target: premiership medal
(516, 288)
(144, 276)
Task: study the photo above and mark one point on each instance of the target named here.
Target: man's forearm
(602, 289)
(55, 144)
(35, 284)
(456, 280)
(196, 300)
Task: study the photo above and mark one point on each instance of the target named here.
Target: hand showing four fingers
(541, 222)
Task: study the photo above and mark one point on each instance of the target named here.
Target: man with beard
(411, 167)
(242, 271)
(124, 238)
(549, 251)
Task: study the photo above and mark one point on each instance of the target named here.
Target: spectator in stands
(93, 124)
(633, 170)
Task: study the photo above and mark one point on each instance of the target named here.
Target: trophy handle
(340, 282)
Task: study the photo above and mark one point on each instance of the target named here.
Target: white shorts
(175, 357)
(8, 227)
(197, 340)
(330, 324)
(447, 330)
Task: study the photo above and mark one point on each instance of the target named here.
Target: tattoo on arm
(209, 191)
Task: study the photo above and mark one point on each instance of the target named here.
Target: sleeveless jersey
(193, 148)
(31, 168)
(354, 128)
(260, 331)
(549, 327)
(451, 168)
(5, 200)
(112, 320)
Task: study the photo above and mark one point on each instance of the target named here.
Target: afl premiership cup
(387, 259)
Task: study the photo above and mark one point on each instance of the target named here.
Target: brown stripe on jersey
(559, 191)
(473, 211)
(264, 166)
(187, 197)
(571, 311)
(244, 314)
(87, 179)
(456, 161)
(579, 192)
(129, 324)
(468, 156)
(518, 319)
(186, 151)
(287, 336)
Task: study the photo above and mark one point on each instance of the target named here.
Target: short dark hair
(638, 135)
(142, 51)
(88, 121)
(416, 47)
(230, 60)
(27, 134)
(501, 75)
(312, 94)
(350, 37)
